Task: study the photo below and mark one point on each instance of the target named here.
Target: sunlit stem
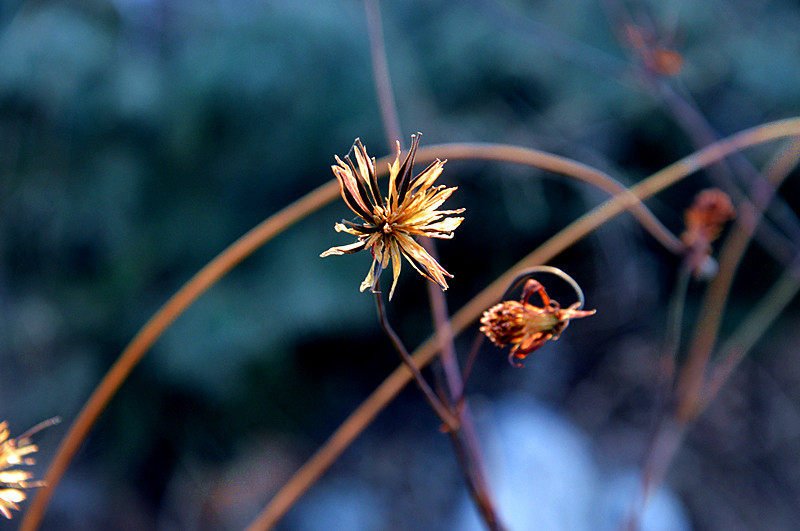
(754, 325)
(694, 389)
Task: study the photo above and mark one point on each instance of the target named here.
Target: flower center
(387, 228)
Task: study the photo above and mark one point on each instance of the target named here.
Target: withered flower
(704, 220)
(656, 58)
(390, 224)
(527, 327)
(13, 452)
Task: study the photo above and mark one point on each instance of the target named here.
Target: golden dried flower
(711, 209)
(527, 327)
(13, 452)
(390, 224)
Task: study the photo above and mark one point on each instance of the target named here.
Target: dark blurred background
(138, 138)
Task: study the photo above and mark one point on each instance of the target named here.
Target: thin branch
(693, 375)
(694, 390)
(440, 409)
(661, 433)
(380, 69)
(754, 325)
(465, 440)
(562, 166)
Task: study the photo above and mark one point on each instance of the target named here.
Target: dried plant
(16, 452)
(526, 327)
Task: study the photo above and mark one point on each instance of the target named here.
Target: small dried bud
(512, 322)
(527, 327)
(712, 208)
(657, 58)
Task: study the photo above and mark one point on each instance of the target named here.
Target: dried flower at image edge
(390, 224)
(527, 327)
(13, 481)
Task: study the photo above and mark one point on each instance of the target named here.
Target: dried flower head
(527, 327)
(390, 224)
(711, 209)
(14, 452)
(656, 58)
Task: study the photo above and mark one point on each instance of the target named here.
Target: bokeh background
(138, 138)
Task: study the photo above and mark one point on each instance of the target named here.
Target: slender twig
(440, 409)
(667, 92)
(543, 37)
(473, 355)
(380, 69)
(561, 166)
(694, 389)
(465, 441)
(466, 448)
(327, 454)
(693, 374)
(754, 325)
(776, 170)
(672, 339)
(666, 443)
(661, 433)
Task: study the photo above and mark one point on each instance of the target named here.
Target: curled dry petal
(526, 327)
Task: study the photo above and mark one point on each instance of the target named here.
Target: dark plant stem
(442, 411)
(734, 174)
(473, 355)
(663, 393)
(465, 441)
(461, 429)
(474, 478)
(380, 68)
(695, 387)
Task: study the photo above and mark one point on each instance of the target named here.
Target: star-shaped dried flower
(13, 481)
(390, 224)
(527, 327)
